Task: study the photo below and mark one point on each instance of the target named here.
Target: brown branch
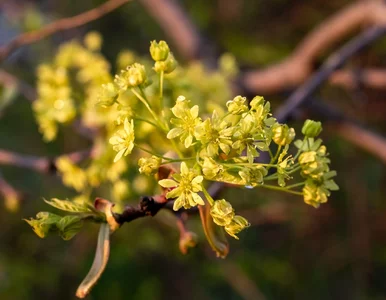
(364, 139)
(173, 20)
(148, 206)
(332, 63)
(372, 78)
(295, 69)
(25, 89)
(39, 164)
(60, 25)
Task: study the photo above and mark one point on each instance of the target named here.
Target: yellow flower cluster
(223, 214)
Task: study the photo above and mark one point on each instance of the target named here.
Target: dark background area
(291, 251)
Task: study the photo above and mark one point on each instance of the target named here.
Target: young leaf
(69, 226)
(69, 206)
(100, 261)
(44, 223)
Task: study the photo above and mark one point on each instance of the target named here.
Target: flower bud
(312, 128)
(210, 168)
(282, 134)
(93, 41)
(238, 223)
(166, 66)
(159, 51)
(222, 212)
(133, 76)
(237, 105)
(257, 102)
(108, 94)
(150, 165)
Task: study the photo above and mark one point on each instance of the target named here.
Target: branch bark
(39, 164)
(332, 63)
(26, 90)
(364, 139)
(60, 25)
(372, 78)
(176, 24)
(295, 69)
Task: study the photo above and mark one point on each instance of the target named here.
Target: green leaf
(69, 206)
(99, 264)
(69, 226)
(44, 223)
(331, 185)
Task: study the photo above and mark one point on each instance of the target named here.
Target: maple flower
(123, 140)
(186, 121)
(185, 186)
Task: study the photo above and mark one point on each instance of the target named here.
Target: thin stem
(277, 188)
(297, 168)
(147, 106)
(277, 154)
(175, 146)
(299, 151)
(248, 164)
(171, 160)
(275, 176)
(270, 153)
(275, 157)
(208, 197)
(147, 121)
(151, 152)
(295, 185)
(161, 86)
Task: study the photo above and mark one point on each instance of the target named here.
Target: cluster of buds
(149, 165)
(133, 76)
(164, 59)
(314, 164)
(108, 94)
(223, 215)
(282, 135)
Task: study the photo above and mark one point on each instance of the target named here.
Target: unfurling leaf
(69, 226)
(99, 264)
(44, 223)
(69, 206)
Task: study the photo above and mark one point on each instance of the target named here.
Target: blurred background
(291, 251)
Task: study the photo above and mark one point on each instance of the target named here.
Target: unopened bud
(312, 128)
(159, 51)
(282, 134)
(166, 66)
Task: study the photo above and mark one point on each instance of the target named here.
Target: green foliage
(70, 206)
(67, 227)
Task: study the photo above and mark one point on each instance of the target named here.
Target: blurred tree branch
(335, 60)
(176, 24)
(25, 89)
(40, 164)
(60, 25)
(298, 66)
(364, 139)
(372, 77)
